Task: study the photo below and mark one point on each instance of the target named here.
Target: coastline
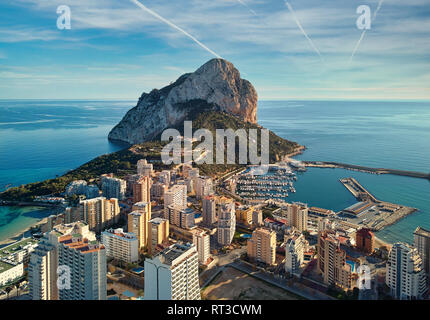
(25, 233)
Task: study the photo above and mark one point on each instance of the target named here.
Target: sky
(117, 49)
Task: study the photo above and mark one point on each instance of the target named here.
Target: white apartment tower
(42, 271)
(202, 241)
(295, 246)
(226, 223)
(121, 245)
(176, 196)
(114, 188)
(405, 274)
(144, 168)
(173, 274)
(422, 243)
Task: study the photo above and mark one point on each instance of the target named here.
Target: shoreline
(22, 233)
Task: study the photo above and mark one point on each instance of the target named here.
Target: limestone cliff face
(216, 85)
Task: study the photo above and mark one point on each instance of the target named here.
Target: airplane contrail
(246, 6)
(156, 15)
(364, 31)
(303, 31)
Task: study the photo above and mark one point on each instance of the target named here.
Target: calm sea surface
(41, 139)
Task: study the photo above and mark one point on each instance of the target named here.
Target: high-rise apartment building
(100, 213)
(176, 196)
(142, 190)
(202, 241)
(203, 187)
(244, 215)
(158, 189)
(113, 187)
(332, 261)
(173, 274)
(86, 261)
(422, 243)
(74, 248)
(121, 245)
(365, 240)
(138, 221)
(405, 275)
(144, 168)
(165, 177)
(42, 271)
(295, 247)
(209, 210)
(183, 218)
(262, 246)
(226, 223)
(158, 233)
(297, 215)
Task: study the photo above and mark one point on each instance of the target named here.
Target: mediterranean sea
(41, 139)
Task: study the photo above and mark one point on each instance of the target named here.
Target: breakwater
(328, 164)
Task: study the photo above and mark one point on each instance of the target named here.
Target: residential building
(226, 223)
(100, 213)
(257, 218)
(422, 243)
(262, 246)
(297, 215)
(113, 187)
(138, 224)
(165, 177)
(202, 241)
(183, 218)
(86, 261)
(244, 215)
(158, 189)
(332, 261)
(176, 196)
(405, 273)
(365, 240)
(295, 248)
(42, 271)
(173, 274)
(144, 168)
(142, 190)
(203, 186)
(121, 245)
(158, 233)
(209, 210)
(10, 271)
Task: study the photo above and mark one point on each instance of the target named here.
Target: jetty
(369, 211)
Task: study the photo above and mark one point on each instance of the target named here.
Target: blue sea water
(376, 134)
(41, 139)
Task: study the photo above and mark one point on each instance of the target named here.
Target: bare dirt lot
(232, 284)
